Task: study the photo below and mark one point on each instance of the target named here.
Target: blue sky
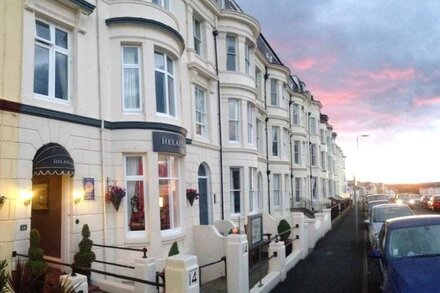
(375, 67)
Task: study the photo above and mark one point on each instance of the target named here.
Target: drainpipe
(266, 77)
(219, 104)
(310, 166)
(102, 129)
(291, 152)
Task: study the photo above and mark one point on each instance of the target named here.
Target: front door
(46, 212)
(203, 196)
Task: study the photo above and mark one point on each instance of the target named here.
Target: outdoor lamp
(26, 196)
(77, 196)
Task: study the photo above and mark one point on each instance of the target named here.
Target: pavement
(336, 264)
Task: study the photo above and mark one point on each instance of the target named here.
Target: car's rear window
(381, 215)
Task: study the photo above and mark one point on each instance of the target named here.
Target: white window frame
(53, 50)
(129, 178)
(162, 3)
(168, 75)
(276, 190)
(247, 58)
(275, 141)
(313, 129)
(173, 214)
(259, 133)
(201, 114)
(297, 152)
(323, 157)
(298, 188)
(274, 92)
(286, 137)
(250, 122)
(234, 119)
(198, 39)
(253, 191)
(231, 55)
(314, 154)
(286, 192)
(234, 190)
(139, 72)
(295, 116)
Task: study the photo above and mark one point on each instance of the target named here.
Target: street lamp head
(363, 135)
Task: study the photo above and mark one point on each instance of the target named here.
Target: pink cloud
(388, 74)
(303, 64)
(419, 102)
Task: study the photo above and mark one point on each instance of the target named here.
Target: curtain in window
(135, 193)
(61, 67)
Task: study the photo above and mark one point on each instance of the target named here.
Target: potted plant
(191, 195)
(3, 275)
(284, 233)
(114, 195)
(85, 256)
(21, 279)
(36, 265)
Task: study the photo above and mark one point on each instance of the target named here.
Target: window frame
(173, 214)
(297, 152)
(135, 178)
(259, 133)
(274, 101)
(275, 141)
(167, 75)
(250, 122)
(165, 4)
(234, 190)
(53, 49)
(198, 39)
(139, 70)
(247, 58)
(231, 55)
(204, 115)
(235, 120)
(277, 190)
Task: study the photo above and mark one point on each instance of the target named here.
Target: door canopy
(53, 159)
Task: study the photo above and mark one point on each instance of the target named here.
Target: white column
(145, 269)
(182, 274)
(301, 243)
(237, 262)
(278, 263)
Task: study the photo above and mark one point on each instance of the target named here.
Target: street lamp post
(356, 190)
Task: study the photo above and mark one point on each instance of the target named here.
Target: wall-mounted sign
(255, 231)
(165, 142)
(193, 277)
(89, 188)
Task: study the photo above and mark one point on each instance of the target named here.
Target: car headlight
(411, 201)
(399, 201)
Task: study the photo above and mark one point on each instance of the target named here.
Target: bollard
(182, 274)
(237, 261)
(145, 269)
(278, 263)
(78, 281)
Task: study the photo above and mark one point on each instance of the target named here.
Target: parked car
(373, 203)
(424, 201)
(372, 197)
(380, 213)
(409, 253)
(410, 199)
(434, 203)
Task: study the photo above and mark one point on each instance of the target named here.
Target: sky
(375, 67)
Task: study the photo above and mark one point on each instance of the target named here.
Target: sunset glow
(374, 66)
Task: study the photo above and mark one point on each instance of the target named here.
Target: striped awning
(53, 159)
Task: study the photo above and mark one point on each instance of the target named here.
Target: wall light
(77, 196)
(161, 201)
(26, 196)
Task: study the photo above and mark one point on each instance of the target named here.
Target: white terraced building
(157, 97)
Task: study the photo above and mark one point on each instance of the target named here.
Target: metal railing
(267, 242)
(223, 258)
(74, 269)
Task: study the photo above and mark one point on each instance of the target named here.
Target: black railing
(74, 268)
(339, 206)
(223, 258)
(143, 250)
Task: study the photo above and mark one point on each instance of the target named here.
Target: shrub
(36, 264)
(3, 275)
(85, 256)
(284, 230)
(174, 249)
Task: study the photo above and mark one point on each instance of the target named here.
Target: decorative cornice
(87, 121)
(148, 23)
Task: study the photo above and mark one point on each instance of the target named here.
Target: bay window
(135, 182)
(235, 190)
(250, 123)
(277, 190)
(51, 61)
(275, 140)
(231, 53)
(247, 60)
(273, 92)
(131, 71)
(165, 88)
(253, 193)
(162, 3)
(234, 120)
(168, 169)
(197, 35)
